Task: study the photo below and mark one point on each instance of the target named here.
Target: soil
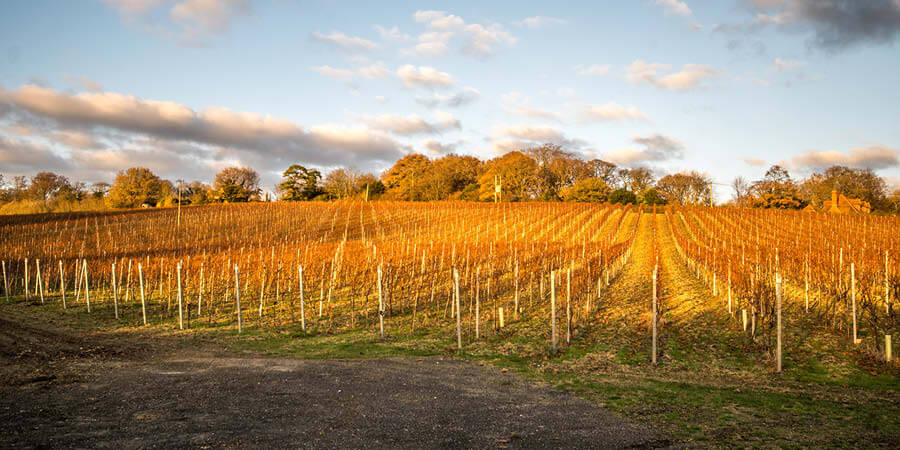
(63, 390)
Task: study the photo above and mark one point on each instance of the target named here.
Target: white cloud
(461, 98)
(480, 40)
(675, 7)
(873, 157)
(787, 65)
(754, 161)
(219, 133)
(199, 18)
(690, 76)
(194, 21)
(83, 83)
(424, 76)
(411, 124)
(337, 74)
(540, 22)
(345, 42)
(536, 133)
(610, 112)
(381, 99)
(592, 70)
(534, 113)
(436, 149)
(133, 7)
(427, 49)
(392, 34)
(654, 148)
(373, 71)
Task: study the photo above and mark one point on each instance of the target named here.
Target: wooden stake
(553, 310)
(180, 298)
(302, 301)
(568, 305)
(502, 323)
(115, 292)
(40, 281)
(458, 315)
(62, 284)
(87, 288)
(778, 322)
(199, 296)
(653, 348)
(237, 297)
(143, 300)
(853, 299)
(380, 304)
(5, 283)
(887, 348)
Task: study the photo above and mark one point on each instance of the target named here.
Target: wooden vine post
(143, 300)
(778, 322)
(553, 311)
(62, 284)
(853, 299)
(5, 283)
(180, 298)
(380, 304)
(116, 292)
(302, 300)
(87, 289)
(40, 281)
(237, 297)
(458, 315)
(568, 305)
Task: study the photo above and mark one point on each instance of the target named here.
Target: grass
(810, 405)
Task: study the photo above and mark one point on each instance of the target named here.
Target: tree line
(543, 173)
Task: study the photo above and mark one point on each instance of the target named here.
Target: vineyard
(690, 292)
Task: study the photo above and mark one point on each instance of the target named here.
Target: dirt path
(100, 398)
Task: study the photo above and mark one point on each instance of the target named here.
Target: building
(840, 204)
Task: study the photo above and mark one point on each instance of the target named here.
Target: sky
(188, 87)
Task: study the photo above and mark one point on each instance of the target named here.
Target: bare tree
(741, 188)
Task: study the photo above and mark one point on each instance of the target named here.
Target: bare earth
(61, 392)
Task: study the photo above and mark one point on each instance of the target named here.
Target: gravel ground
(276, 403)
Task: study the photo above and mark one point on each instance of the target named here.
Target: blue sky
(187, 87)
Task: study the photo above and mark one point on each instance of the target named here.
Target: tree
(135, 187)
(587, 190)
(687, 188)
(557, 170)
(449, 176)
(341, 183)
(404, 180)
(19, 190)
(862, 184)
(47, 185)
(637, 180)
(623, 196)
(370, 182)
(604, 170)
(237, 184)
(653, 197)
(517, 173)
(100, 189)
(776, 190)
(299, 183)
(741, 188)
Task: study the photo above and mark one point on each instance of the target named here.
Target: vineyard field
(780, 323)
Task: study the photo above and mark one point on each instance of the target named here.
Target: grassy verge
(711, 389)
